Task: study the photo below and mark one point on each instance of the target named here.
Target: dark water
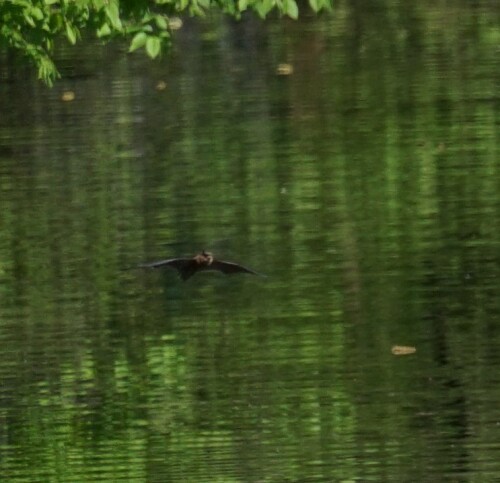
(365, 184)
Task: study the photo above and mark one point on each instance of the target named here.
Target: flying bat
(187, 267)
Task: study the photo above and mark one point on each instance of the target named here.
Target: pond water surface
(361, 175)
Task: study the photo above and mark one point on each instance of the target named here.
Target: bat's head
(206, 258)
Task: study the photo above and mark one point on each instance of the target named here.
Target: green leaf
(113, 14)
(242, 5)
(147, 17)
(103, 31)
(71, 33)
(47, 70)
(29, 19)
(138, 41)
(315, 5)
(37, 13)
(196, 10)
(327, 4)
(291, 9)
(153, 46)
(161, 22)
(263, 7)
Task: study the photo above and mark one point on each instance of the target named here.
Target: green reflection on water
(365, 185)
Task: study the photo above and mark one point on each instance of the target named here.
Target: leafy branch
(33, 26)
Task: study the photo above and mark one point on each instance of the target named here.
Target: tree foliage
(33, 26)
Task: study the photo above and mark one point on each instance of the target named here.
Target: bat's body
(187, 267)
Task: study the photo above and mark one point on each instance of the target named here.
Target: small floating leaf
(403, 350)
(161, 85)
(284, 69)
(68, 96)
(175, 23)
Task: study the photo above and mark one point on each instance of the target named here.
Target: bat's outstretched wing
(185, 266)
(171, 262)
(230, 267)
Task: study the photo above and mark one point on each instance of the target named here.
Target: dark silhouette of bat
(187, 267)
